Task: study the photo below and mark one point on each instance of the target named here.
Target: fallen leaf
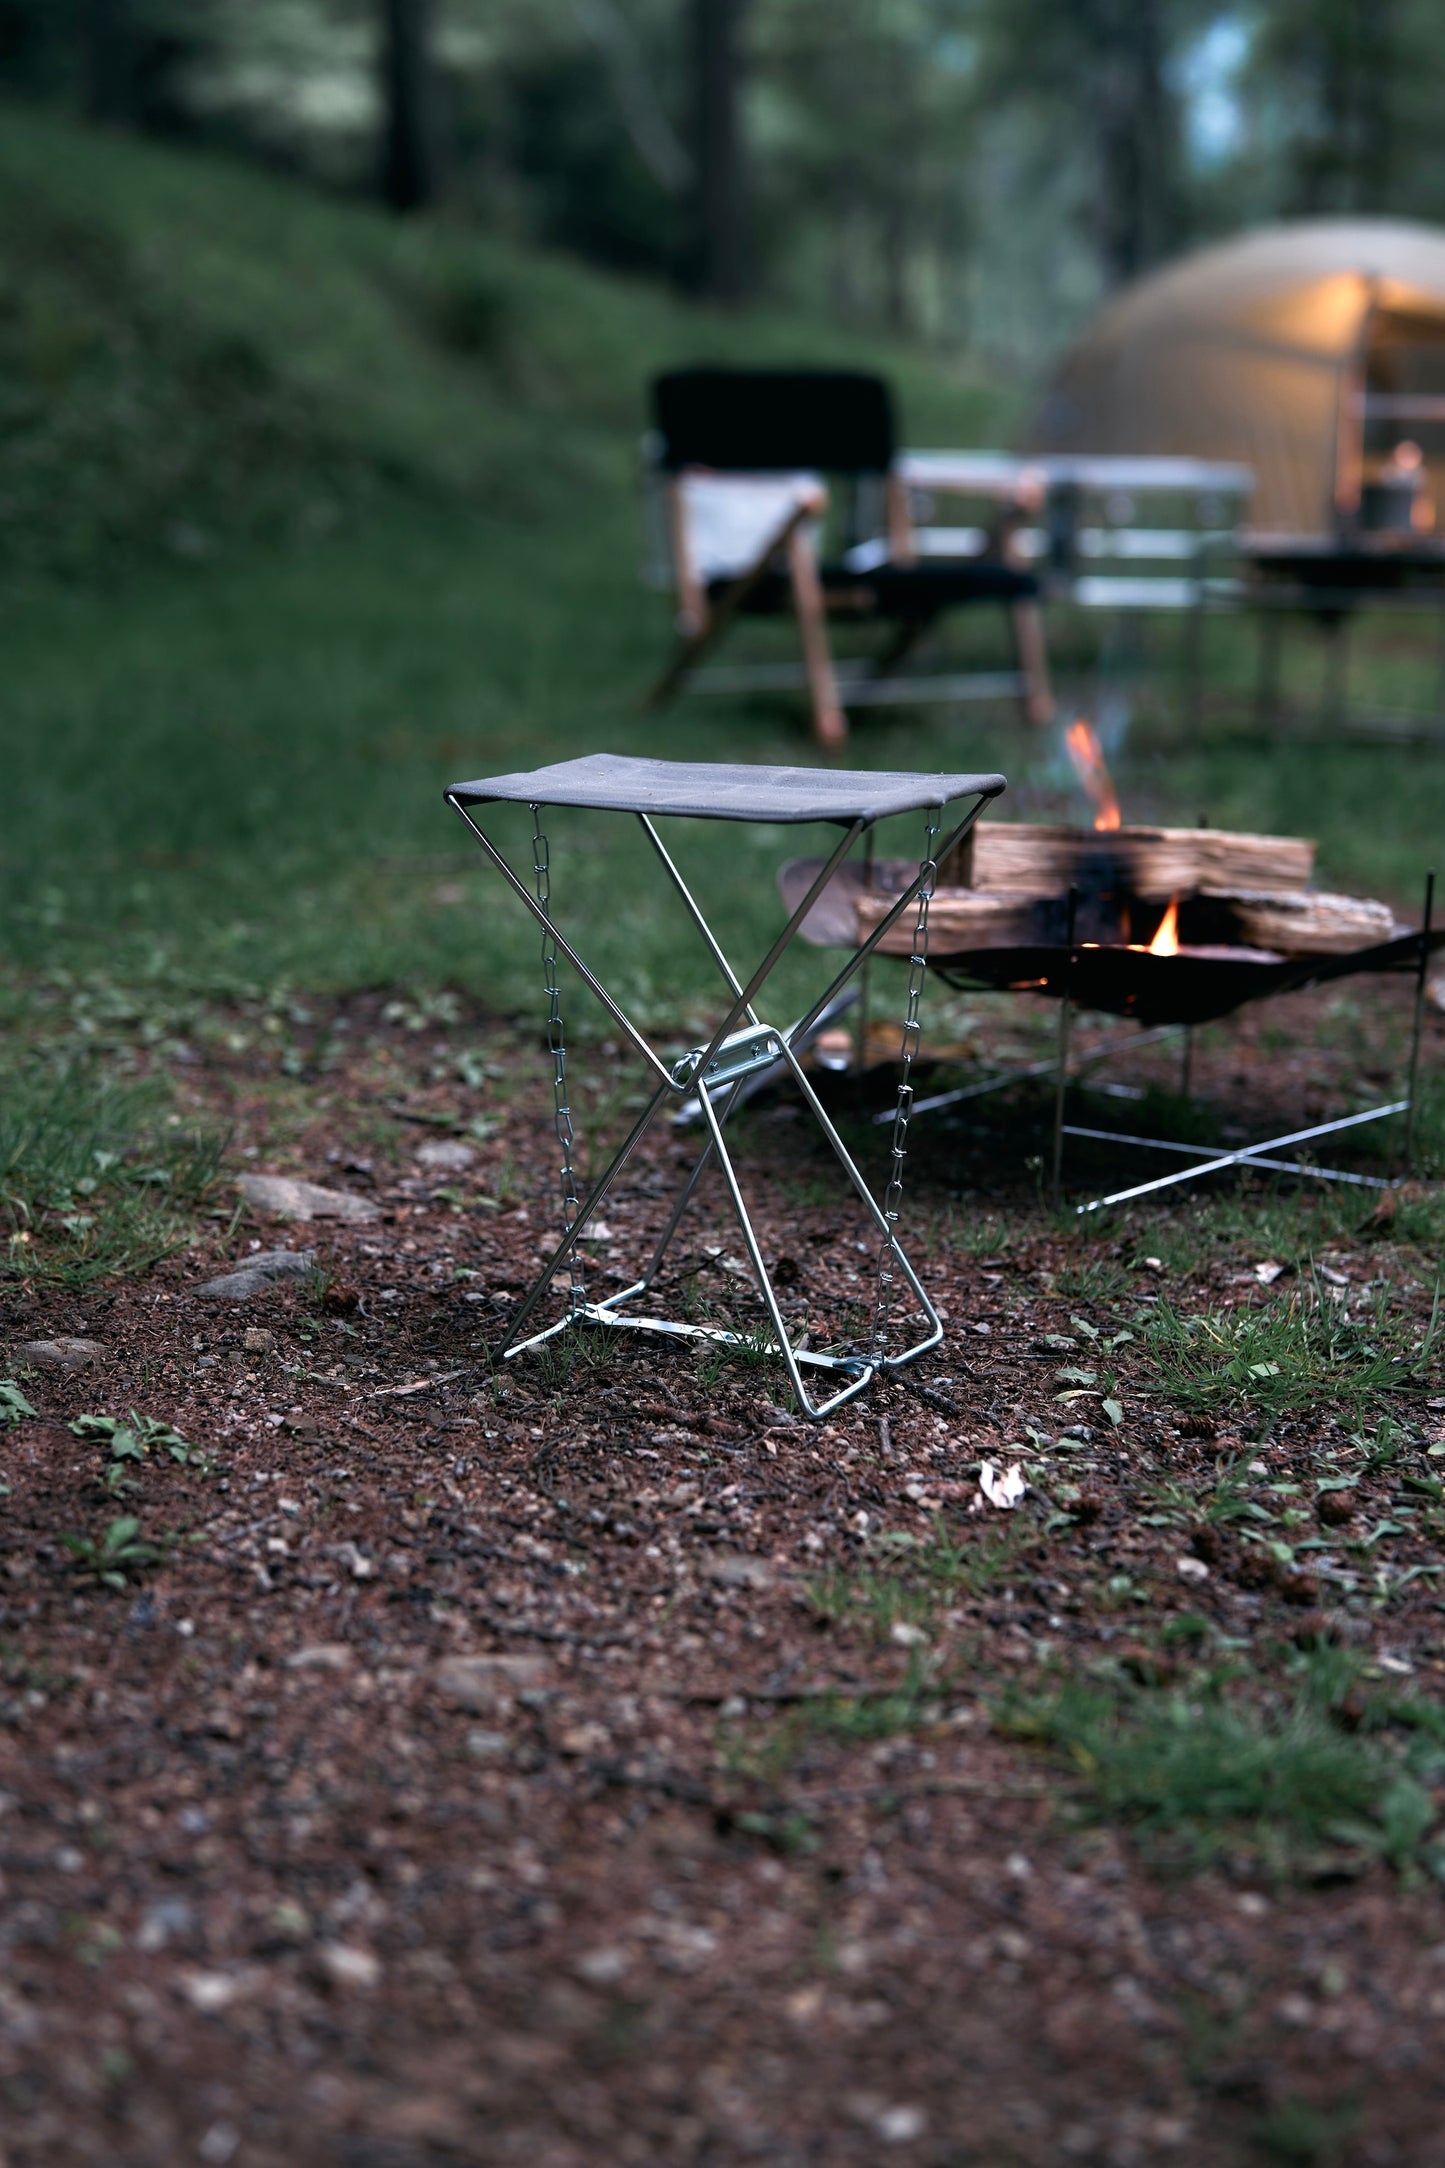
(1002, 1487)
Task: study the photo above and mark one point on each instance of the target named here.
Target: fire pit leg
(1271, 637)
(1421, 976)
(1061, 1070)
(1336, 667)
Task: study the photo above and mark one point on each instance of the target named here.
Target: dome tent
(1307, 350)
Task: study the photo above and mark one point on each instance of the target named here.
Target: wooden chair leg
(719, 614)
(830, 724)
(1033, 660)
(906, 637)
(688, 653)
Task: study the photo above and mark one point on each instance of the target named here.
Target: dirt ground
(538, 1764)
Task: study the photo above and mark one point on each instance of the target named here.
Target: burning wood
(1153, 864)
(1190, 891)
(1087, 755)
(1282, 922)
(1166, 940)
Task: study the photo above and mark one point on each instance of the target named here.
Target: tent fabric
(1252, 350)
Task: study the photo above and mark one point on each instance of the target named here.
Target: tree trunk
(109, 70)
(721, 246)
(409, 176)
(1137, 224)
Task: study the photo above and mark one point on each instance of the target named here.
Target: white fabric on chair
(729, 518)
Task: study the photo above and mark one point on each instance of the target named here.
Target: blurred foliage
(969, 171)
(124, 421)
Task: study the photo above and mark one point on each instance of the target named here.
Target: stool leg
(765, 1285)
(870, 1204)
(574, 1234)
(686, 1196)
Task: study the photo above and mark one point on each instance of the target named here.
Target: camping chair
(741, 1043)
(741, 456)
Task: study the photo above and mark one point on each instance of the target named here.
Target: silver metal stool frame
(716, 1072)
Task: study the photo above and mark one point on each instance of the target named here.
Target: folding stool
(742, 1042)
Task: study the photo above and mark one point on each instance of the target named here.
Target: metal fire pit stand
(742, 1042)
(1411, 955)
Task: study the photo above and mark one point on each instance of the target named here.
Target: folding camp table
(742, 1042)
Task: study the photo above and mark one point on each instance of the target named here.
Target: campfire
(1165, 893)
(1164, 925)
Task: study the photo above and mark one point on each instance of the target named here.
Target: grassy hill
(193, 350)
(305, 513)
(302, 514)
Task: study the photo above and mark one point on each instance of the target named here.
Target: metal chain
(542, 870)
(917, 966)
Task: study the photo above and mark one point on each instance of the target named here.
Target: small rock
(61, 1353)
(253, 1275)
(321, 1656)
(347, 1966)
(734, 1569)
(479, 1684)
(285, 1198)
(601, 1968)
(356, 1562)
(899, 2126)
(445, 1155)
(166, 1921)
(212, 1992)
(256, 1340)
(487, 1746)
(1192, 1569)
(904, 1636)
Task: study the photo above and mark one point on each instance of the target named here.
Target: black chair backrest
(759, 421)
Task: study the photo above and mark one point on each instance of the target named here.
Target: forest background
(966, 173)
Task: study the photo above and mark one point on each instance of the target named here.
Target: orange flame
(1087, 755)
(1166, 940)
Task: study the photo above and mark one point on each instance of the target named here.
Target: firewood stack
(1007, 886)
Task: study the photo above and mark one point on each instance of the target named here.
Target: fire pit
(1165, 926)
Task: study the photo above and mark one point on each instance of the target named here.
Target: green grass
(1197, 1773)
(1292, 1355)
(910, 1581)
(305, 513)
(97, 1177)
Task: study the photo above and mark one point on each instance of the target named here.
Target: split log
(1280, 921)
(959, 919)
(1005, 858)
(1314, 924)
